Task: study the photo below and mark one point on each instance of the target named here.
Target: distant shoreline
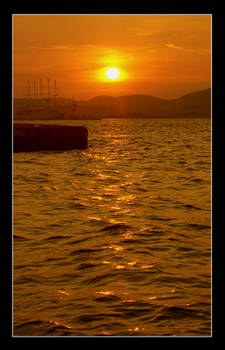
(192, 105)
(105, 118)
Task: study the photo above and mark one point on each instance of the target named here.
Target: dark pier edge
(38, 137)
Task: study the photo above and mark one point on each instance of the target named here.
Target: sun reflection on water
(136, 329)
(120, 267)
(59, 324)
(107, 292)
(62, 291)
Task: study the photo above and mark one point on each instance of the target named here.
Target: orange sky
(162, 55)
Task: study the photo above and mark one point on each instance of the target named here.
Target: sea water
(115, 240)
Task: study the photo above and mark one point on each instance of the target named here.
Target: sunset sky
(162, 55)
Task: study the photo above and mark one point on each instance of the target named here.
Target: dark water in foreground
(116, 239)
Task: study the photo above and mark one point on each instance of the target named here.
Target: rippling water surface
(115, 239)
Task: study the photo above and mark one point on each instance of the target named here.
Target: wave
(116, 227)
(177, 313)
(42, 328)
(84, 251)
(77, 205)
(56, 238)
(20, 238)
(198, 226)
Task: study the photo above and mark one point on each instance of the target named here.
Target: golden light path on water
(115, 240)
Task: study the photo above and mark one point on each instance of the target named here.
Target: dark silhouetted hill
(196, 104)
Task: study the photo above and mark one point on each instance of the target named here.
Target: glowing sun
(112, 73)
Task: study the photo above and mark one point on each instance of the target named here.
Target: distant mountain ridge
(195, 104)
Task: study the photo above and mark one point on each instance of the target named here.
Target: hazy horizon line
(138, 94)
